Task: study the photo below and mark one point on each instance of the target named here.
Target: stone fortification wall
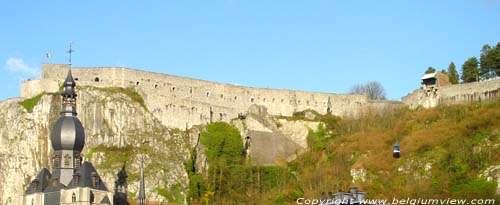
(180, 102)
(454, 94)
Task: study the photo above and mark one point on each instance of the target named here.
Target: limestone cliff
(116, 125)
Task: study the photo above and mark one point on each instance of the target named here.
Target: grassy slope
(455, 143)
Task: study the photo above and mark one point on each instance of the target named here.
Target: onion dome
(68, 134)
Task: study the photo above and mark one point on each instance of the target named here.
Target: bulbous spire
(68, 133)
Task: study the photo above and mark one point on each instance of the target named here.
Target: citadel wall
(454, 94)
(183, 102)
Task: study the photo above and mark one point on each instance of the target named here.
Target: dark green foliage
(317, 140)
(195, 188)
(29, 103)
(470, 70)
(223, 143)
(487, 62)
(453, 76)
(229, 180)
(490, 61)
(430, 69)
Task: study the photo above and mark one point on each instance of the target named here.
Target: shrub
(29, 103)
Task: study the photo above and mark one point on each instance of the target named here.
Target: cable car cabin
(395, 151)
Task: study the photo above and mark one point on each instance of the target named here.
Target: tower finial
(70, 51)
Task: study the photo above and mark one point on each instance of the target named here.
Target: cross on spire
(70, 51)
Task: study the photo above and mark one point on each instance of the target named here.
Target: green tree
(430, 70)
(453, 74)
(470, 70)
(494, 56)
(223, 143)
(486, 61)
(224, 149)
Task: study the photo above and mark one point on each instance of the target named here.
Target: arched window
(73, 197)
(137, 83)
(32, 201)
(96, 79)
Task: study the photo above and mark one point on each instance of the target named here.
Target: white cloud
(17, 65)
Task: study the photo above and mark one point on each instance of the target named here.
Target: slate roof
(54, 187)
(86, 178)
(43, 178)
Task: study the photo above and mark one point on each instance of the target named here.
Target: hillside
(448, 151)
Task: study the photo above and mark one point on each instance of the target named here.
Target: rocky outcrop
(272, 140)
(116, 129)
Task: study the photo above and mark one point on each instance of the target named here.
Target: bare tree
(374, 90)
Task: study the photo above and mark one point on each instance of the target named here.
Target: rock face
(270, 140)
(116, 127)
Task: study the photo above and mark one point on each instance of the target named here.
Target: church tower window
(57, 161)
(73, 198)
(67, 159)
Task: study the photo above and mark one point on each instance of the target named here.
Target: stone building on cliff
(71, 181)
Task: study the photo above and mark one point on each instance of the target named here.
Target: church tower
(68, 136)
(71, 181)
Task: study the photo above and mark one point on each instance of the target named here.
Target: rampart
(454, 94)
(183, 102)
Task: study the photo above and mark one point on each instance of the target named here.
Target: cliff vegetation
(448, 151)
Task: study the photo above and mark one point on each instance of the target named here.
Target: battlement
(180, 101)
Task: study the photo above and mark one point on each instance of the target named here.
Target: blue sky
(314, 45)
